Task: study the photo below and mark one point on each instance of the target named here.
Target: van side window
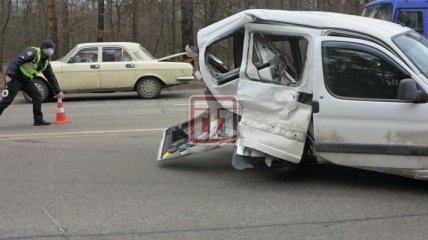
(361, 72)
(412, 19)
(224, 57)
(279, 59)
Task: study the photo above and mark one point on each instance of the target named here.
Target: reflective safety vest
(30, 69)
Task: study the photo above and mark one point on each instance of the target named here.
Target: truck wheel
(149, 88)
(43, 88)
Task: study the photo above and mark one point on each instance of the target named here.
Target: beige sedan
(111, 67)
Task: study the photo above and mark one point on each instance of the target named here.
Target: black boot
(41, 123)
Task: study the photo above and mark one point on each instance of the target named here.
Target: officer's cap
(47, 44)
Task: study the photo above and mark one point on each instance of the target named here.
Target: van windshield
(381, 11)
(415, 47)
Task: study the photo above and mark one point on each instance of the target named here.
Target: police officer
(20, 73)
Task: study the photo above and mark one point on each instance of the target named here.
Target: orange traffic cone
(61, 118)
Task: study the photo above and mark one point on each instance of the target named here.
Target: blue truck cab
(411, 13)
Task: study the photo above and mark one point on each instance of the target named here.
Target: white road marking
(67, 134)
(187, 104)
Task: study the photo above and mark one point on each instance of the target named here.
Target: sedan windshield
(415, 47)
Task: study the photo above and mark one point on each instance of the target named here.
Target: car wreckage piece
(351, 92)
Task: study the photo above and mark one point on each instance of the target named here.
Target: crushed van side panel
(274, 122)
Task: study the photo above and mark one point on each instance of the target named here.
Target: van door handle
(130, 65)
(315, 107)
(95, 66)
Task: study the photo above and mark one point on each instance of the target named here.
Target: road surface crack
(62, 230)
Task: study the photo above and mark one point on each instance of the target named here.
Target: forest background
(162, 26)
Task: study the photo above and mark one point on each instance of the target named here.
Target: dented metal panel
(273, 121)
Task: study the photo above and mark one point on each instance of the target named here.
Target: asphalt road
(97, 178)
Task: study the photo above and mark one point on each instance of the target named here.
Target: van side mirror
(408, 90)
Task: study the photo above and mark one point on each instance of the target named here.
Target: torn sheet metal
(176, 141)
(200, 134)
(244, 157)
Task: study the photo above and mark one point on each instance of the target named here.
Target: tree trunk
(100, 27)
(5, 21)
(186, 22)
(173, 36)
(53, 25)
(135, 20)
(66, 41)
(293, 4)
(345, 8)
(110, 19)
(118, 6)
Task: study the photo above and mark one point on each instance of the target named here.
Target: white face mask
(49, 52)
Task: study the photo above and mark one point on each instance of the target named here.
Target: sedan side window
(85, 55)
(115, 54)
(359, 71)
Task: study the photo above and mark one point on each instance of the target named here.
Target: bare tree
(135, 20)
(118, 5)
(162, 26)
(5, 20)
(53, 25)
(187, 22)
(66, 33)
(293, 4)
(173, 39)
(100, 28)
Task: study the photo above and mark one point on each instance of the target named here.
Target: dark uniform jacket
(26, 56)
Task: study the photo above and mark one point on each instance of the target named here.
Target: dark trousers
(24, 84)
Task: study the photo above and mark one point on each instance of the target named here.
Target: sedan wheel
(149, 88)
(43, 88)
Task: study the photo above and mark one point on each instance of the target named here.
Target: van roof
(319, 20)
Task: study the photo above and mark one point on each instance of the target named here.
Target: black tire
(309, 154)
(149, 88)
(43, 88)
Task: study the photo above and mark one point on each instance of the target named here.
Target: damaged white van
(344, 89)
